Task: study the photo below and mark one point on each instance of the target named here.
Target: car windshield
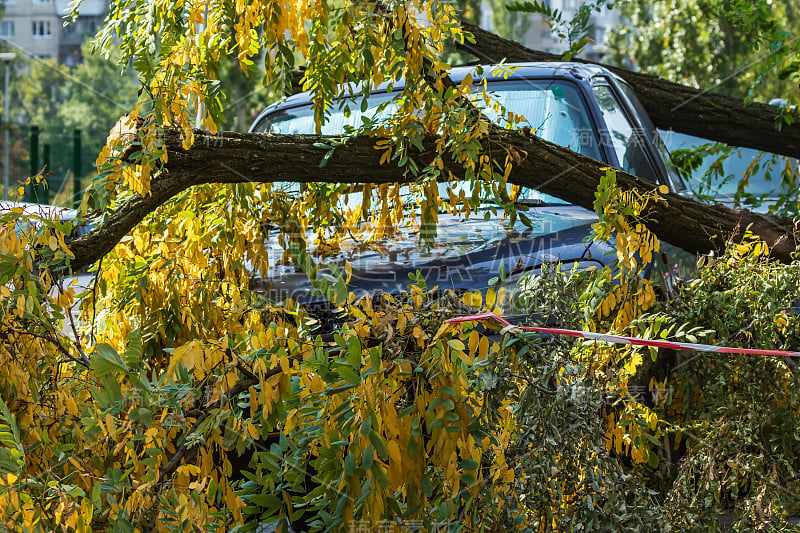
(554, 110)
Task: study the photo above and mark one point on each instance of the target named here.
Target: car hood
(467, 254)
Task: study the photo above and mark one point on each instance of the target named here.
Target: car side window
(625, 141)
(719, 170)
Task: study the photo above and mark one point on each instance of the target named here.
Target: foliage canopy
(142, 421)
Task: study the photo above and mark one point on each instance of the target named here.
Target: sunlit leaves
(616, 299)
(387, 415)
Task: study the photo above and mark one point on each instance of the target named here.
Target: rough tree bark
(671, 106)
(239, 158)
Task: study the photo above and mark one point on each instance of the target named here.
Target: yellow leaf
(444, 328)
(473, 299)
(189, 470)
(396, 477)
(72, 407)
(468, 359)
(348, 270)
(111, 426)
(483, 348)
(456, 344)
(472, 341)
(419, 334)
(231, 499)
(490, 297)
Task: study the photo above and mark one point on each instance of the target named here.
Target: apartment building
(36, 27)
(540, 36)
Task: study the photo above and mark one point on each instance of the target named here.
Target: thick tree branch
(249, 157)
(671, 106)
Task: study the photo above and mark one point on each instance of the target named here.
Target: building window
(40, 29)
(6, 29)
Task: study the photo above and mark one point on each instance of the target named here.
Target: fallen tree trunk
(248, 157)
(671, 106)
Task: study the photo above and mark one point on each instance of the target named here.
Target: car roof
(508, 71)
(50, 212)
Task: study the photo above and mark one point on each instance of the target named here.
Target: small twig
(83, 360)
(94, 295)
(747, 327)
(246, 371)
(533, 384)
(75, 341)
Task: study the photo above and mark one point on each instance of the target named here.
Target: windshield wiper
(531, 202)
(528, 202)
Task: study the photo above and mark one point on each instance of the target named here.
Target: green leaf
(106, 361)
(427, 487)
(469, 464)
(652, 460)
(407, 411)
(348, 375)
(12, 455)
(451, 416)
(354, 351)
(350, 464)
(366, 426)
(375, 357)
(368, 457)
(413, 447)
(379, 474)
(380, 446)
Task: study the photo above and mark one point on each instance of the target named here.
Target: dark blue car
(583, 107)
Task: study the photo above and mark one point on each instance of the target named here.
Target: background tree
(58, 99)
(91, 96)
(743, 50)
(247, 95)
(736, 49)
(509, 24)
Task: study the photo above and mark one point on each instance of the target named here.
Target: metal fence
(64, 159)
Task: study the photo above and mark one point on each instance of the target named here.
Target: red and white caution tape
(619, 339)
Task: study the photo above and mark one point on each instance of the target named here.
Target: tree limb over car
(250, 157)
(671, 106)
